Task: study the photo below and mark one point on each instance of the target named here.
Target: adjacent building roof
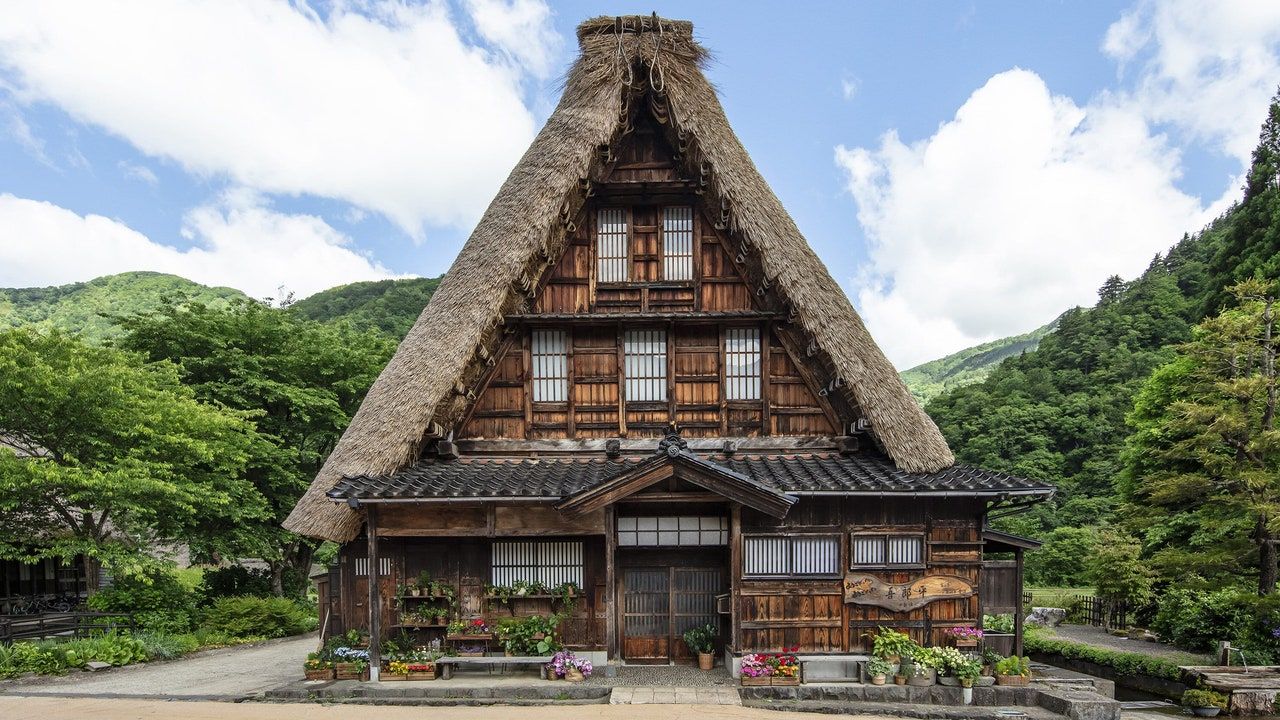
(524, 230)
(556, 478)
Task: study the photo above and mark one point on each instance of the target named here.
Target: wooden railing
(61, 624)
(1099, 612)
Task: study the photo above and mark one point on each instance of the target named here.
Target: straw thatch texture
(524, 230)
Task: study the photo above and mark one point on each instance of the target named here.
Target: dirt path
(228, 674)
(100, 709)
(1099, 637)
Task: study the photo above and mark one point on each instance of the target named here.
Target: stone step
(674, 696)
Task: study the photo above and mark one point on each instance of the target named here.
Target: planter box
(348, 671)
(321, 674)
(1013, 680)
(784, 681)
(966, 643)
(392, 677)
(757, 681)
(423, 675)
(478, 637)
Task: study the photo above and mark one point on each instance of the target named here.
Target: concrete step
(674, 696)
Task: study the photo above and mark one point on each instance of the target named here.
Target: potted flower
(396, 670)
(702, 640)
(967, 673)
(755, 670)
(350, 663)
(948, 660)
(786, 668)
(318, 667)
(1204, 703)
(1013, 671)
(965, 636)
(926, 661)
(878, 669)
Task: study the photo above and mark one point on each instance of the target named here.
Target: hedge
(1124, 663)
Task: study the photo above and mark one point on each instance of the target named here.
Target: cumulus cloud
(380, 104)
(237, 241)
(1023, 203)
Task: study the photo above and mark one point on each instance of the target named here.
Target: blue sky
(967, 170)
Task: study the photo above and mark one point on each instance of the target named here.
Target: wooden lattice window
(611, 245)
(551, 562)
(672, 531)
(742, 363)
(886, 550)
(645, 369)
(677, 243)
(790, 555)
(550, 361)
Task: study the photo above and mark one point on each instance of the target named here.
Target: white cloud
(1022, 204)
(135, 171)
(239, 241)
(1013, 211)
(849, 87)
(385, 106)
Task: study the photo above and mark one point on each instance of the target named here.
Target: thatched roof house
(422, 393)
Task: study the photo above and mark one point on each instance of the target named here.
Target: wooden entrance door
(660, 603)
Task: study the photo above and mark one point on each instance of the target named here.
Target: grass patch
(1123, 663)
(1058, 597)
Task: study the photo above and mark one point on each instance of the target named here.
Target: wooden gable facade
(655, 427)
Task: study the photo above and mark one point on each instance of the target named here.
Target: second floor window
(645, 369)
(886, 550)
(677, 243)
(550, 366)
(742, 363)
(611, 245)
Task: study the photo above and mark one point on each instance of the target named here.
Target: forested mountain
(389, 306)
(970, 365)
(87, 308)
(1059, 413)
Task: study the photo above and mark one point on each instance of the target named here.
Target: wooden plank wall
(813, 615)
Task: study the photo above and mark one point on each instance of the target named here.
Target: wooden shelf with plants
(565, 594)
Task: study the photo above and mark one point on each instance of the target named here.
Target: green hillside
(86, 308)
(388, 306)
(970, 365)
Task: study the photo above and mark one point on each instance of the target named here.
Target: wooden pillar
(611, 582)
(375, 594)
(1017, 604)
(735, 577)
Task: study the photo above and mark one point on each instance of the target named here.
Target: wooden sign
(870, 590)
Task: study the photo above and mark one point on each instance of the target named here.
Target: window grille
(677, 243)
(550, 366)
(796, 555)
(551, 562)
(887, 550)
(362, 566)
(611, 245)
(672, 531)
(742, 363)
(645, 354)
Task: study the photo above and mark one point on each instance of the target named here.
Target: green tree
(1205, 454)
(104, 455)
(1117, 570)
(301, 381)
(1062, 560)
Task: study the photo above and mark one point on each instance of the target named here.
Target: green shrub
(1204, 699)
(167, 647)
(243, 617)
(1125, 663)
(234, 581)
(1197, 620)
(53, 657)
(159, 602)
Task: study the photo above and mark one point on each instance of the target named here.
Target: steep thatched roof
(524, 230)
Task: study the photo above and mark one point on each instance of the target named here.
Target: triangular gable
(674, 459)
(423, 389)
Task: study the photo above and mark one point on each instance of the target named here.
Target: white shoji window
(645, 355)
(796, 555)
(611, 245)
(550, 366)
(886, 550)
(672, 531)
(551, 562)
(742, 363)
(677, 243)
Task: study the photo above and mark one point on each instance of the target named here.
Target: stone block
(1052, 617)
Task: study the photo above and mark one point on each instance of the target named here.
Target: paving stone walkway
(674, 696)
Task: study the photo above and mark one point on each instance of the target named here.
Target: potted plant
(755, 670)
(702, 640)
(968, 673)
(878, 669)
(318, 667)
(1013, 671)
(906, 669)
(424, 584)
(786, 667)
(892, 645)
(395, 670)
(1204, 703)
(964, 636)
(989, 659)
(350, 663)
(947, 661)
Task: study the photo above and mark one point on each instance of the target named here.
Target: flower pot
(761, 681)
(984, 681)
(320, 674)
(573, 674)
(1206, 711)
(421, 675)
(346, 671)
(899, 680)
(949, 681)
(1013, 680)
(966, 695)
(706, 661)
(927, 679)
(785, 680)
(391, 677)
(877, 679)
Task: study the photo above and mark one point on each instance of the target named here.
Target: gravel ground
(1099, 637)
(226, 674)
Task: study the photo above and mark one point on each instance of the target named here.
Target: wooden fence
(1099, 612)
(61, 624)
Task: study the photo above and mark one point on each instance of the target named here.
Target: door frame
(671, 559)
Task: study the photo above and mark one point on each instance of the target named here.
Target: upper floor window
(645, 368)
(795, 555)
(742, 363)
(549, 357)
(611, 245)
(677, 243)
(886, 550)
